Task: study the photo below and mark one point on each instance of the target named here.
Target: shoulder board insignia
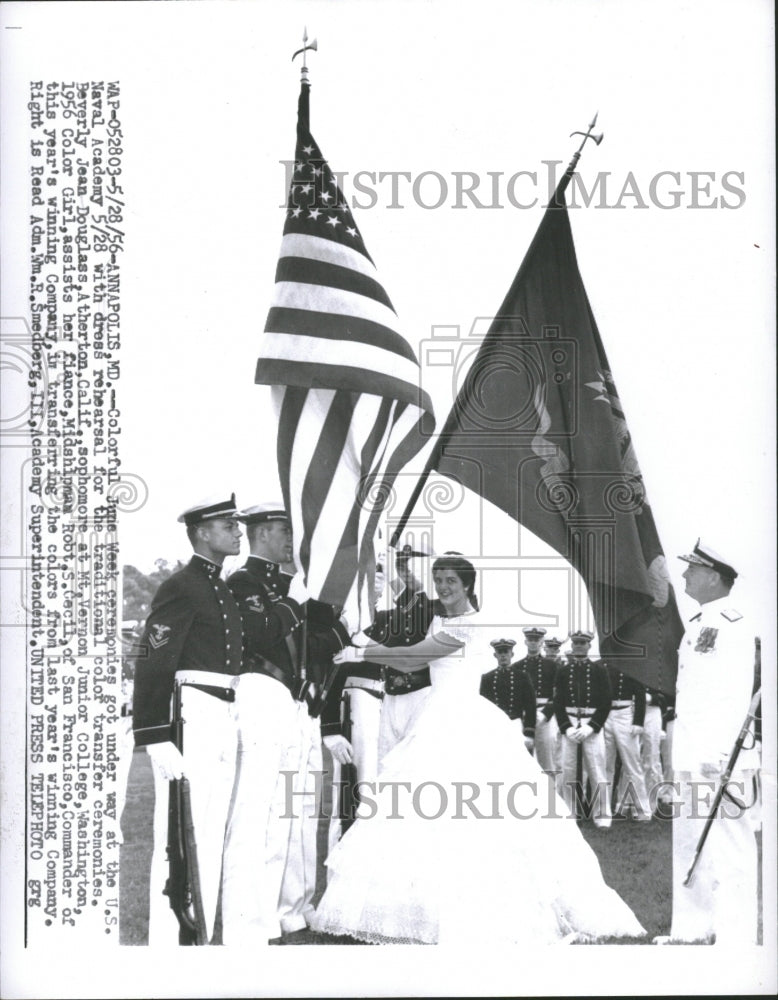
(731, 615)
(254, 603)
(159, 636)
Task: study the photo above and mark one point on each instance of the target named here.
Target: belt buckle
(399, 682)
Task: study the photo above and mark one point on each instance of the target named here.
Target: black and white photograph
(388, 498)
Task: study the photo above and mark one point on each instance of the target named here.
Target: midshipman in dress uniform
(541, 674)
(541, 671)
(398, 696)
(406, 624)
(192, 638)
(270, 851)
(509, 687)
(713, 695)
(547, 729)
(651, 746)
(582, 702)
(622, 731)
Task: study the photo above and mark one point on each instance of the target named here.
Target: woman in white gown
(464, 839)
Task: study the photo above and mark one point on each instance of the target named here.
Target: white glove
(167, 758)
(662, 736)
(379, 584)
(360, 639)
(351, 654)
(339, 747)
(297, 589)
(586, 731)
(541, 719)
(529, 743)
(636, 730)
(573, 734)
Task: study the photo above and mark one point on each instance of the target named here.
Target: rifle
(183, 883)
(348, 799)
(319, 699)
(725, 778)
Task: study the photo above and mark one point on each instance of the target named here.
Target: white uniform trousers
(722, 896)
(398, 717)
(365, 722)
(547, 743)
(210, 750)
(257, 833)
(618, 736)
(593, 750)
(303, 793)
(651, 754)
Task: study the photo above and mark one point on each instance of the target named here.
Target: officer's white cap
(263, 513)
(703, 555)
(208, 509)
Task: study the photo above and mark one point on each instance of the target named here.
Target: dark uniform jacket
(541, 671)
(582, 684)
(273, 625)
(510, 689)
(194, 624)
(404, 625)
(624, 688)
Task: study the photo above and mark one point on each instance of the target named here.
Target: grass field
(635, 859)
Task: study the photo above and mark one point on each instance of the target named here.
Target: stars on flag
(606, 392)
(600, 388)
(316, 203)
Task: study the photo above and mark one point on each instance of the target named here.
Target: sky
(683, 296)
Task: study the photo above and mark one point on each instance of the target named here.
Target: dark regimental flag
(346, 382)
(538, 429)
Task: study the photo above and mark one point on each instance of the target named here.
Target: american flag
(346, 385)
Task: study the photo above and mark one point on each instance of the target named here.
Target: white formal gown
(424, 869)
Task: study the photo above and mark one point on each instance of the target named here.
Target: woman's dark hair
(463, 569)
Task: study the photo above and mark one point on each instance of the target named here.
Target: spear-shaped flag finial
(306, 48)
(588, 134)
